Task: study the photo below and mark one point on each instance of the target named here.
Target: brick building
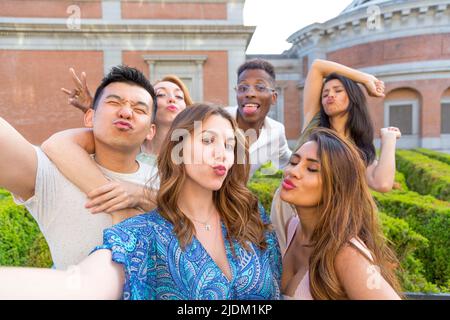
(202, 41)
(405, 43)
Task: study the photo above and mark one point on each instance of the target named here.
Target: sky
(276, 20)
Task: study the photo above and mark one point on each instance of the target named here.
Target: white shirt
(70, 230)
(270, 146)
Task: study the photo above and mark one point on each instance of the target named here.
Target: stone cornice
(185, 1)
(422, 70)
(434, 66)
(396, 19)
(199, 59)
(61, 28)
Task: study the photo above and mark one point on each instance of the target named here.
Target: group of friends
(150, 201)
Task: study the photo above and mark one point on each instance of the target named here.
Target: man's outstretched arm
(18, 162)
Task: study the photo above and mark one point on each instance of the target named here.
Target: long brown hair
(347, 211)
(237, 206)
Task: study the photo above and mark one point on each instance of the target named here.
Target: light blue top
(157, 268)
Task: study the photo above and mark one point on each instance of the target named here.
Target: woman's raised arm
(319, 70)
(381, 174)
(69, 150)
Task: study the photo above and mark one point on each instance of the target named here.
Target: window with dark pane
(274, 111)
(445, 118)
(401, 116)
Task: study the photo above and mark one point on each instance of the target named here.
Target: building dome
(357, 4)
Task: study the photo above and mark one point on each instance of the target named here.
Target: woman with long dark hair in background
(333, 99)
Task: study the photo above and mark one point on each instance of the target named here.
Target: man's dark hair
(258, 64)
(128, 75)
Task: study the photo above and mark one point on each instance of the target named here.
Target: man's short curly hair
(258, 64)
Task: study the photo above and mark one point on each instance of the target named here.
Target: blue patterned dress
(157, 268)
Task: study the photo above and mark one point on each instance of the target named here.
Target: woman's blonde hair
(237, 206)
(174, 79)
(347, 211)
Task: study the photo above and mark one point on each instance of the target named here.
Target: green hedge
(264, 188)
(400, 182)
(429, 217)
(412, 277)
(443, 157)
(39, 253)
(265, 185)
(4, 194)
(268, 171)
(405, 241)
(425, 175)
(401, 236)
(21, 242)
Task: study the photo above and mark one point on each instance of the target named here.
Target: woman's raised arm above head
(319, 70)
(70, 151)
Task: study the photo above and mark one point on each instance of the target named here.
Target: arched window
(402, 110)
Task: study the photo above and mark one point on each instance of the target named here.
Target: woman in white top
(335, 247)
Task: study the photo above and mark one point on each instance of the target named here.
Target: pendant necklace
(205, 224)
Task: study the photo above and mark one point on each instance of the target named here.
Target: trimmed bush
(413, 280)
(440, 156)
(21, 242)
(264, 185)
(400, 182)
(406, 242)
(268, 171)
(4, 194)
(39, 254)
(264, 189)
(425, 175)
(402, 238)
(429, 217)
